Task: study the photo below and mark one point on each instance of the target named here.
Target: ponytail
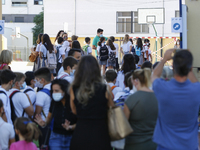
(110, 43)
(101, 40)
(27, 129)
(144, 76)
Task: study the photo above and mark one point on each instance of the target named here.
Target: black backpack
(112, 56)
(58, 53)
(103, 53)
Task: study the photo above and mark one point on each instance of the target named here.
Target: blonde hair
(126, 39)
(6, 57)
(27, 129)
(143, 75)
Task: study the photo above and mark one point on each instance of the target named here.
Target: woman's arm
(121, 51)
(38, 119)
(73, 107)
(109, 96)
(130, 49)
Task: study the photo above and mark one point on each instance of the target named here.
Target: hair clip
(26, 122)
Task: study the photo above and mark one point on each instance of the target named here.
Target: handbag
(118, 124)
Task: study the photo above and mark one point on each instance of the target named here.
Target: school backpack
(58, 53)
(85, 48)
(27, 90)
(51, 61)
(112, 56)
(138, 51)
(103, 53)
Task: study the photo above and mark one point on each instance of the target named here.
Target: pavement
(21, 66)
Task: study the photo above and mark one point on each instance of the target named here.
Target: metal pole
(180, 11)
(75, 17)
(156, 40)
(27, 44)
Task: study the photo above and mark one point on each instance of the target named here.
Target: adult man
(179, 101)
(96, 40)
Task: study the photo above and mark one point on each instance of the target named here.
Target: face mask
(72, 73)
(38, 84)
(57, 96)
(101, 35)
(23, 86)
(178, 43)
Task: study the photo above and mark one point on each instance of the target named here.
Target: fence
(20, 53)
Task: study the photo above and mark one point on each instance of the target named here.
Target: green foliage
(39, 26)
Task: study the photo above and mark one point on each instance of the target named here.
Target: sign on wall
(2, 26)
(177, 25)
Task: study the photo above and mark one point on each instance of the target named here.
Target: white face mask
(38, 84)
(57, 96)
(178, 43)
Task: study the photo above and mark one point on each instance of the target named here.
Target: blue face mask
(101, 35)
(72, 73)
(23, 86)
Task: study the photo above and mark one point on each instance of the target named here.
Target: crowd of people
(63, 103)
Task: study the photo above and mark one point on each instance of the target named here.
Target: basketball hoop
(149, 23)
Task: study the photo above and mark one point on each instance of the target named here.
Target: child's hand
(38, 119)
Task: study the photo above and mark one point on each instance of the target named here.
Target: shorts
(111, 63)
(104, 62)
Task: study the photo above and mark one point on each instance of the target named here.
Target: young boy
(60, 53)
(69, 66)
(111, 77)
(87, 49)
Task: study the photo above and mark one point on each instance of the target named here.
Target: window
(177, 14)
(38, 2)
(3, 2)
(19, 19)
(20, 4)
(127, 22)
(3, 18)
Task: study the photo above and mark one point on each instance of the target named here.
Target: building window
(20, 4)
(127, 22)
(19, 19)
(177, 13)
(3, 18)
(3, 2)
(38, 2)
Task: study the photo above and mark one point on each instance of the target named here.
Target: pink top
(23, 145)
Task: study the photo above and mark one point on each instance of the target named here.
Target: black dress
(91, 132)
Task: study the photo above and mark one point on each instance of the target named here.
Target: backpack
(27, 90)
(85, 48)
(51, 62)
(47, 91)
(13, 114)
(138, 51)
(112, 56)
(103, 53)
(58, 53)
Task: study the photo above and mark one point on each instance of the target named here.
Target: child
(87, 49)
(111, 77)
(60, 53)
(111, 62)
(145, 49)
(149, 54)
(69, 66)
(27, 132)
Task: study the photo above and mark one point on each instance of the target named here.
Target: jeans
(59, 141)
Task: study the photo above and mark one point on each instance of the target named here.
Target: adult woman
(5, 59)
(59, 34)
(6, 130)
(89, 99)
(138, 51)
(60, 111)
(46, 46)
(128, 65)
(141, 109)
(36, 52)
(126, 47)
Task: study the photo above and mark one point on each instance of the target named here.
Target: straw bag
(118, 124)
(32, 57)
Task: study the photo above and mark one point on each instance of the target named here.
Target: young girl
(27, 132)
(126, 47)
(111, 63)
(138, 51)
(5, 59)
(149, 58)
(103, 53)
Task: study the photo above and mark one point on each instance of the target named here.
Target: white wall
(93, 14)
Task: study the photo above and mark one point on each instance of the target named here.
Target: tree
(39, 26)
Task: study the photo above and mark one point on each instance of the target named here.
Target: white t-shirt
(32, 95)
(61, 52)
(66, 47)
(145, 48)
(126, 46)
(116, 89)
(89, 50)
(20, 101)
(120, 80)
(117, 48)
(65, 76)
(149, 52)
(38, 47)
(43, 100)
(43, 50)
(6, 133)
(6, 105)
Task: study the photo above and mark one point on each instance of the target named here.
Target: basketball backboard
(151, 15)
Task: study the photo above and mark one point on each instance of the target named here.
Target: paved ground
(21, 66)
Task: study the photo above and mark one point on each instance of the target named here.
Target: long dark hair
(39, 40)
(64, 85)
(76, 44)
(47, 43)
(139, 43)
(110, 43)
(58, 34)
(87, 74)
(129, 63)
(101, 40)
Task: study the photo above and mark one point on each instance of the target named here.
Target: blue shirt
(177, 125)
